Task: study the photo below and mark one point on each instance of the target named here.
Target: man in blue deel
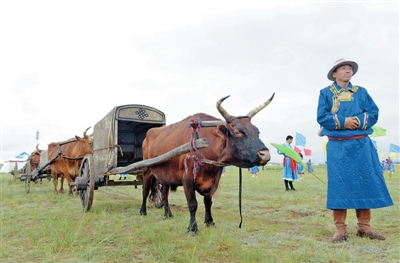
(346, 114)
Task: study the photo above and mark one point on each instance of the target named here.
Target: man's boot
(339, 217)
(364, 228)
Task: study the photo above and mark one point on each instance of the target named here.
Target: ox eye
(239, 133)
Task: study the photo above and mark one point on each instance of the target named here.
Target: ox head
(245, 149)
(35, 157)
(85, 143)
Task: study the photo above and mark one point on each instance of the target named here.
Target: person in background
(289, 166)
(254, 171)
(300, 167)
(346, 114)
(122, 175)
(390, 165)
(223, 171)
(383, 163)
(310, 169)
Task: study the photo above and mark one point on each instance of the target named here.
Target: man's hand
(351, 123)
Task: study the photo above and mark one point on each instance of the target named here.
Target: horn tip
(224, 98)
(273, 95)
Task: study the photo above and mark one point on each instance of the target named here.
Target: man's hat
(339, 63)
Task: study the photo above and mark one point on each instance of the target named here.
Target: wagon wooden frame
(117, 149)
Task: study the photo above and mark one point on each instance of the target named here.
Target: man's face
(343, 73)
(289, 141)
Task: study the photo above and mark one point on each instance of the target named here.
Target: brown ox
(34, 159)
(69, 158)
(235, 143)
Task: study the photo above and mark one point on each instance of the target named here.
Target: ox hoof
(210, 224)
(193, 229)
(143, 213)
(193, 232)
(168, 215)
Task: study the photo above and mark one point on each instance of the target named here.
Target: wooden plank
(209, 123)
(200, 143)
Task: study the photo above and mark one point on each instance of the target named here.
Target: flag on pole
(394, 148)
(300, 140)
(297, 149)
(378, 131)
(307, 152)
(382, 155)
(393, 155)
(37, 135)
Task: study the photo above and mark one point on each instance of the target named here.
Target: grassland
(277, 226)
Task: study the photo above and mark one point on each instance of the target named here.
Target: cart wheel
(159, 202)
(155, 197)
(87, 173)
(28, 177)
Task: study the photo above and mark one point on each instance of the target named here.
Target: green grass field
(277, 226)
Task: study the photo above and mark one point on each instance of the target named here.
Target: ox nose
(264, 156)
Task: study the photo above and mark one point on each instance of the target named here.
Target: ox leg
(70, 192)
(188, 186)
(208, 220)
(146, 190)
(164, 193)
(55, 180)
(62, 183)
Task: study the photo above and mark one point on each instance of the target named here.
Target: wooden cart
(117, 149)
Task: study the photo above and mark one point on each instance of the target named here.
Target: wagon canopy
(123, 129)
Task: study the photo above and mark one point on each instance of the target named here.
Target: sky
(65, 64)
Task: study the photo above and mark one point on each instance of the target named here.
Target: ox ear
(78, 138)
(223, 129)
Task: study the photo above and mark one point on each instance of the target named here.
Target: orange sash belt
(346, 138)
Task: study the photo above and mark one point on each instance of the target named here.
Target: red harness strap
(346, 138)
(195, 125)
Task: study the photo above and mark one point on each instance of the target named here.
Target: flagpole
(37, 137)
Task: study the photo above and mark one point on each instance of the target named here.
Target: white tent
(18, 160)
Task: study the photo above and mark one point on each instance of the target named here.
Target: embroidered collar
(336, 89)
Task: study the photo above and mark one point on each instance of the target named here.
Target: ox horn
(260, 107)
(84, 133)
(221, 110)
(37, 147)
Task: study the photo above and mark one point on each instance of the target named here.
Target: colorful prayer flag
(307, 152)
(378, 131)
(297, 149)
(300, 140)
(37, 135)
(394, 148)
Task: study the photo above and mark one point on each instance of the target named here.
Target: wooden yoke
(200, 143)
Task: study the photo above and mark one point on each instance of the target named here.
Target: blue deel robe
(309, 167)
(289, 173)
(355, 179)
